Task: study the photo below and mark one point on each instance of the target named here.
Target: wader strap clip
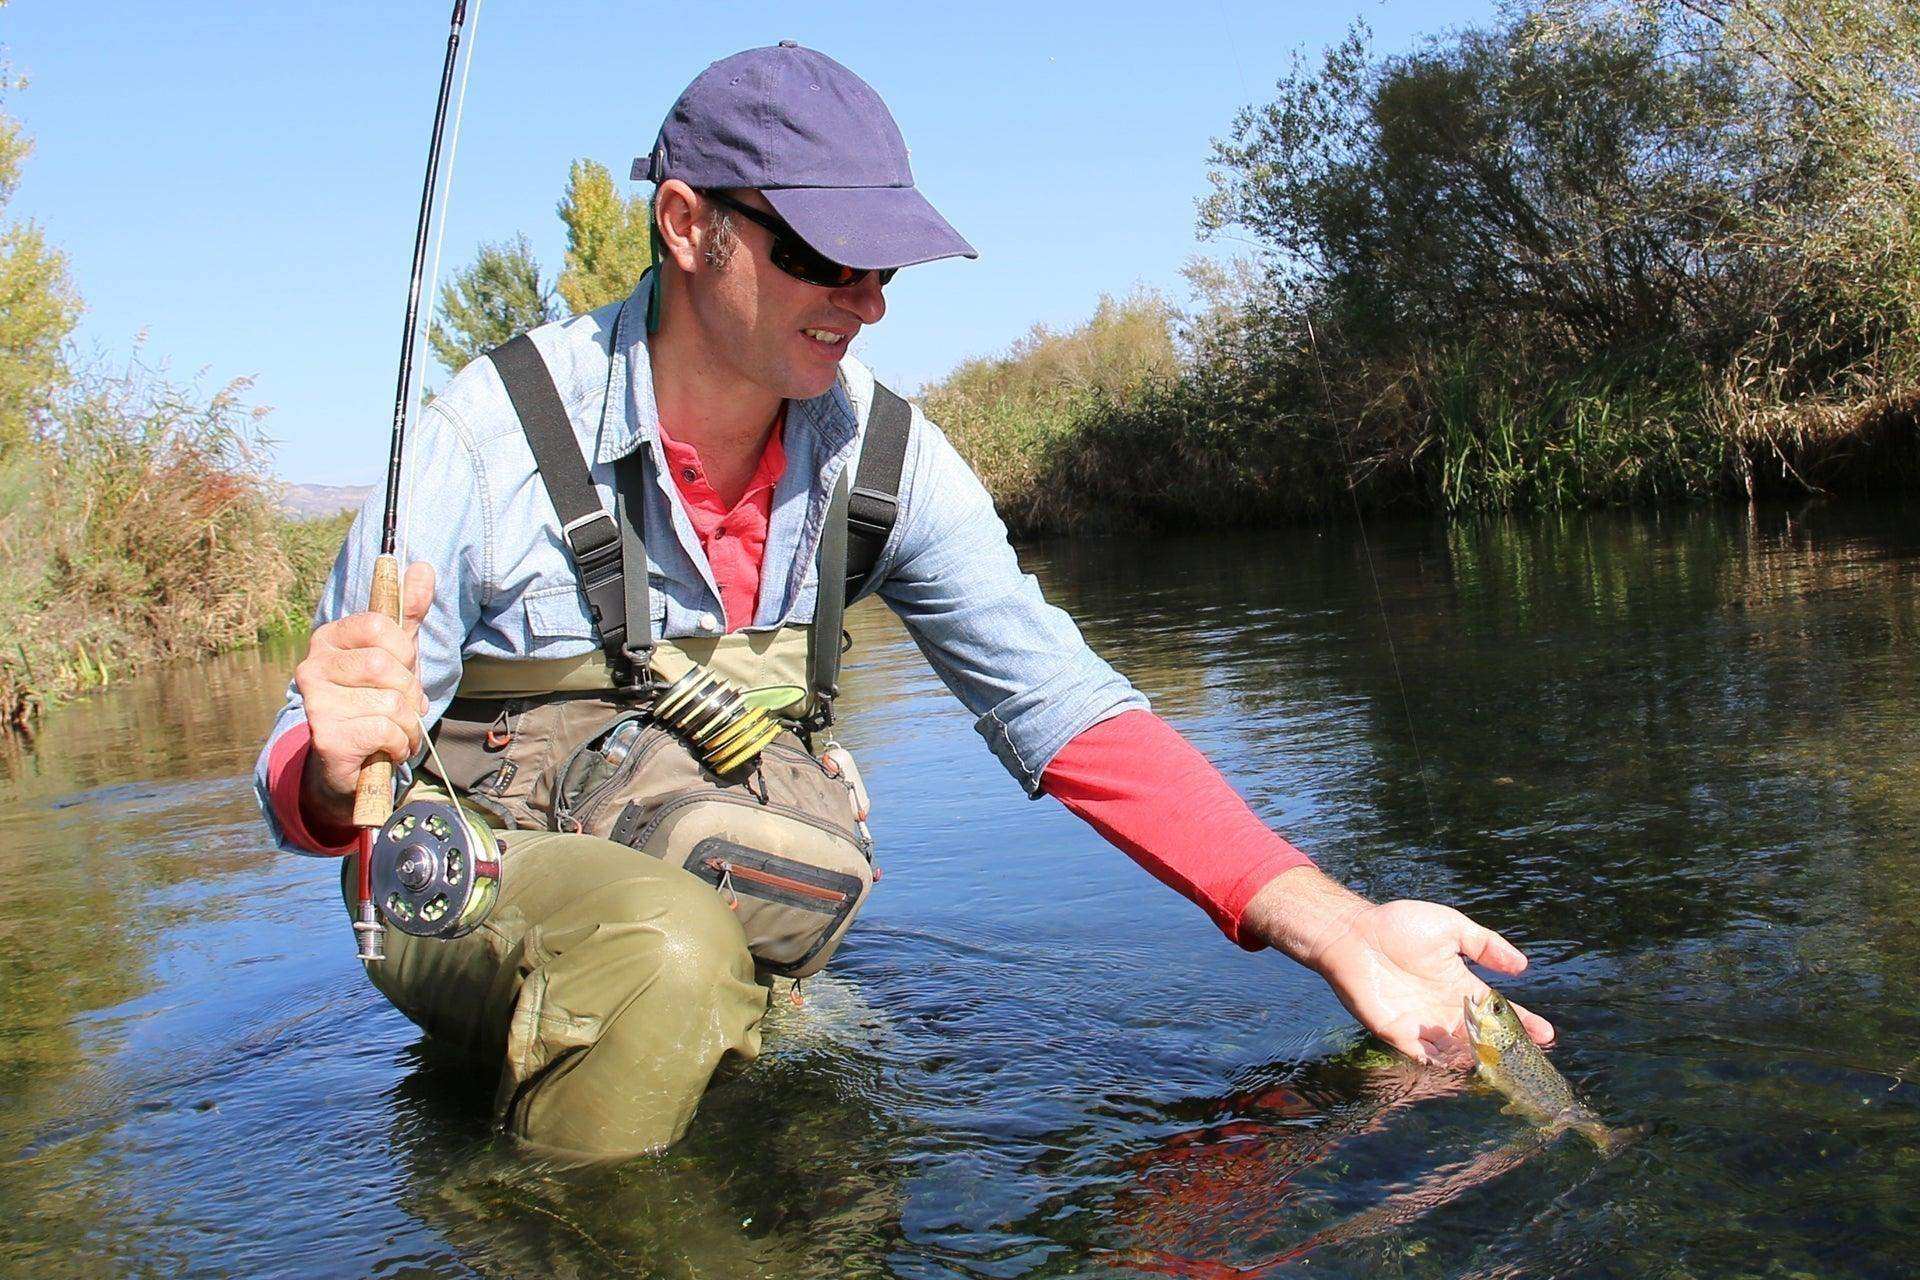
(595, 542)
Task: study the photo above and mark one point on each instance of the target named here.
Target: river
(1669, 755)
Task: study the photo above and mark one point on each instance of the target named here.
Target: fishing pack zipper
(630, 831)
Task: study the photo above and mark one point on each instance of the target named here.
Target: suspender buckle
(594, 540)
(871, 512)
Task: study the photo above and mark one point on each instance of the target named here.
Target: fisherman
(712, 428)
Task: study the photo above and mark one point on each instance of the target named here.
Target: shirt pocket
(558, 615)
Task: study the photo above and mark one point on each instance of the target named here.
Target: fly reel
(436, 872)
(716, 718)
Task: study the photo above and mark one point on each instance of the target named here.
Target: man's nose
(864, 298)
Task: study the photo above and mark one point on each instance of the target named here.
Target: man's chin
(808, 383)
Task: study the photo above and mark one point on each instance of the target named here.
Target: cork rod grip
(373, 794)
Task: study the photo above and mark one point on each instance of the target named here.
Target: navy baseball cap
(817, 142)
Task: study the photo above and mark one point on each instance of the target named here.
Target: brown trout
(1506, 1058)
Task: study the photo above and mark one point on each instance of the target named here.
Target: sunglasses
(795, 256)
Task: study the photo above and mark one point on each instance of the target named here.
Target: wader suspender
(609, 552)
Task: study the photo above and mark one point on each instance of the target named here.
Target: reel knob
(416, 869)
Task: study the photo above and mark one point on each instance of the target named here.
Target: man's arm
(1042, 696)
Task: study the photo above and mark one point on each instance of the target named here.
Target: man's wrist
(1301, 912)
(326, 812)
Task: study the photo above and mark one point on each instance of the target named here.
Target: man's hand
(360, 683)
(1398, 967)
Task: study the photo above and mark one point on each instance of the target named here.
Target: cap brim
(869, 227)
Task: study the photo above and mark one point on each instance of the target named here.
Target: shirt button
(719, 531)
(707, 622)
(689, 474)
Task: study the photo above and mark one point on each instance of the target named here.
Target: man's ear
(677, 222)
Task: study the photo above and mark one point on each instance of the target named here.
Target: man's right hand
(360, 683)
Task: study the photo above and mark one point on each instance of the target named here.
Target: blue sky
(239, 181)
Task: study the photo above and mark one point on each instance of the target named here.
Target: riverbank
(142, 527)
(1143, 419)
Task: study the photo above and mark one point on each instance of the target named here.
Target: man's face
(780, 333)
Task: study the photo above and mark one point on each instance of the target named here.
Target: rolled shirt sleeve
(1016, 662)
(448, 527)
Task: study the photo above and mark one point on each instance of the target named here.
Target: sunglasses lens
(801, 262)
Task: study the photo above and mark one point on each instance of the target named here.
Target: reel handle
(373, 793)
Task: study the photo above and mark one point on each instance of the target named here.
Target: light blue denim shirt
(474, 507)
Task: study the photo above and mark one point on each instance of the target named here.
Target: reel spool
(716, 718)
(436, 872)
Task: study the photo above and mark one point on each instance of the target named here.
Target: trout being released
(1506, 1057)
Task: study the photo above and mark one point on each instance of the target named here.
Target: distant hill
(310, 501)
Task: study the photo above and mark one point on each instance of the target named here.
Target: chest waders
(695, 751)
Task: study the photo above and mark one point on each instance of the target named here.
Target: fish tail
(1609, 1142)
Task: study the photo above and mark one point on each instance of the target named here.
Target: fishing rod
(437, 870)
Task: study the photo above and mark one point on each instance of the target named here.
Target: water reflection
(1669, 755)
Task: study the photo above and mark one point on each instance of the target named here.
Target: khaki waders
(608, 984)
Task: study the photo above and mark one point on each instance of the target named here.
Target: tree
(496, 297)
(607, 241)
(38, 303)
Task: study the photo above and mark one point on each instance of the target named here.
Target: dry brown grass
(138, 526)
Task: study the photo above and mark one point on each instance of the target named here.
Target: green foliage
(1011, 415)
(494, 298)
(1581, 255)
(608, 246)
(38, 304)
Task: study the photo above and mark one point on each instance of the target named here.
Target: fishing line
(433, 273)
(1379, 597)
(1326, 395)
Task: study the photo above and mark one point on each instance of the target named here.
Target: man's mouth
(828, 336)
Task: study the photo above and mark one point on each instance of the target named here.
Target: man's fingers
(369, 631)
(416, 595)
(349, 744)
(375, 668)
(1412, 1044)
(1485, 947)
(1536, 1026)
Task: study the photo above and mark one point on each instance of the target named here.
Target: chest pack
(574, 744)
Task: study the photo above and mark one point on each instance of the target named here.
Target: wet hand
(1401, 969)
(360, 684)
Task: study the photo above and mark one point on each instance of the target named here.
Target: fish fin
(1487, 1054)
(1610, 1141)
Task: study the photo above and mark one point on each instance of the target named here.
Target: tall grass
(137, 525)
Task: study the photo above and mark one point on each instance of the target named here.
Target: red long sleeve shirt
(1134, 778)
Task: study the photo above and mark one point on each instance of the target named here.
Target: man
(607, 984)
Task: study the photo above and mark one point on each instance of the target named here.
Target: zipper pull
(500, 732)
(838, 761)
(726, 885)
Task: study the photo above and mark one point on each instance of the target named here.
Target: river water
(1671, 756)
